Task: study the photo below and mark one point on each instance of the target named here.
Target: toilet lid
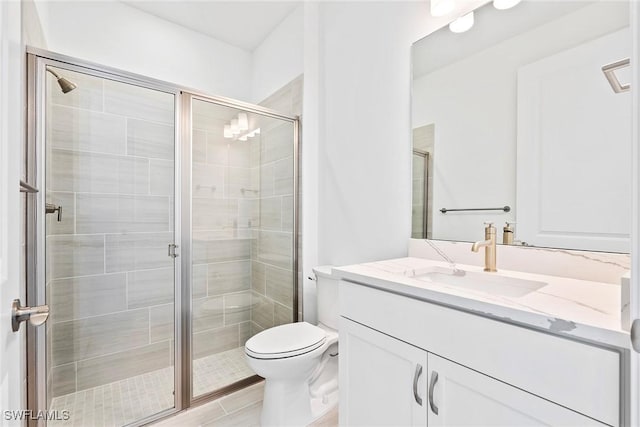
(285, 341)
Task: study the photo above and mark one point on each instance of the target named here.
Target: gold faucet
(489, 245)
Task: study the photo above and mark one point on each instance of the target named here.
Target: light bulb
(505, 4)
(243, 122)
(462, 24)
(441, 7)
(227, 131)
(235, 129)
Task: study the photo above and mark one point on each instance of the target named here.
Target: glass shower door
(243, 236)
(108, 204)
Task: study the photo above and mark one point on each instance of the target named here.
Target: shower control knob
(51, 208)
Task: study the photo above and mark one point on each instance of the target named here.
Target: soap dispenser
(508, 233)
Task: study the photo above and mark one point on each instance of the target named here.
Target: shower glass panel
(420, 206)
(109, 178)
(243, 236)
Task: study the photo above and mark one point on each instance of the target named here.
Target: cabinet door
(458, 396)
(382, 379)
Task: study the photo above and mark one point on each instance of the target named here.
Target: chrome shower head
(65, 85)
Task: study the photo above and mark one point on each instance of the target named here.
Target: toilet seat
(285, 341)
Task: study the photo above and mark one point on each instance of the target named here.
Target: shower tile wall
(109, 280)
(243, 223)
(272, 264)
(224, 207)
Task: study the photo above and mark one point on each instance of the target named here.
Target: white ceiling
(244, 24)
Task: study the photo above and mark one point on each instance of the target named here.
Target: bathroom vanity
(423, 343)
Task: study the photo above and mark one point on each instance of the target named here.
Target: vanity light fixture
(505, 4)
(462, 24)
(441, 7)
(240, 136)
(254, 133)
(238, 128)
(243, 122)
(235, 129)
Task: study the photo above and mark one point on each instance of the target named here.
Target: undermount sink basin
(490, 283)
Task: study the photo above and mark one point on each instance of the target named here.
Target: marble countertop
(581, 309)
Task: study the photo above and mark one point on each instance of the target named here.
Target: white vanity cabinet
(464, 397)
(489, 373)
(385, 382)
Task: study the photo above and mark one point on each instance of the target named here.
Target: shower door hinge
(172, 250)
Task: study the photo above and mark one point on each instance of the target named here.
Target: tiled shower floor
(126, 401)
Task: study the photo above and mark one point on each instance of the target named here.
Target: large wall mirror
(525, 120)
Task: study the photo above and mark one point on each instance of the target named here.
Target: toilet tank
(327, 294)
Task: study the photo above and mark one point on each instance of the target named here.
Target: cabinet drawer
(578, 376)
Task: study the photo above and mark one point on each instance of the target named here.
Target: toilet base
(320, 406)
(288, 403)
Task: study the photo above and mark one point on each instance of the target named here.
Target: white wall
(280, 57)
(32, 31)
(356, 161)
(475, 164)
(309, 158)
(12, 358)
(364, 162)
(114, 34)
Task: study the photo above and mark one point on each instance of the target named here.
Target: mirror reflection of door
(422, 195)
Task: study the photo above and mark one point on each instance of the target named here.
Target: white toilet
(299, 362)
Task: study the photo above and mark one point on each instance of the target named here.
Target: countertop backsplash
(584, 265)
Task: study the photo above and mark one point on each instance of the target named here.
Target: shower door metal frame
(37, 60)
(188, 96)
(425, 192)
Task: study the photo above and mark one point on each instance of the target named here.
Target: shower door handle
(35, 315)
(27, 188)
(172, 250)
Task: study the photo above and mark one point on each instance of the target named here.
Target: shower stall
(162, 236)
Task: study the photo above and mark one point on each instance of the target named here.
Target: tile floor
(219, 370)
(240, 409)
(122, 402)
